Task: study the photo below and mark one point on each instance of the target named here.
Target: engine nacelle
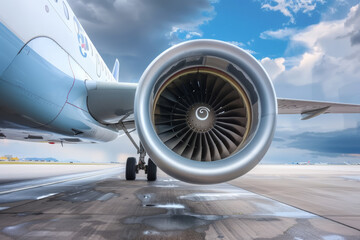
(205, 111)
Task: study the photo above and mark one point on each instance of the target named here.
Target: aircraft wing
(310, 109)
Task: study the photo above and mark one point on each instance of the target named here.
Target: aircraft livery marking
(82, 39)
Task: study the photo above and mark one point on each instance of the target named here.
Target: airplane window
(66, 11)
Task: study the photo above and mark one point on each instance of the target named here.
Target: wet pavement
(102, 205)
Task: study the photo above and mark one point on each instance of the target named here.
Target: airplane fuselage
(46, 63)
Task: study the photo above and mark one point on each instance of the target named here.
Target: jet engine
(205, 111)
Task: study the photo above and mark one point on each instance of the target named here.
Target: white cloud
(191, 35)
(278, 34)
(243, 46)
(252, 52)
(328, 69)
(289, 7)
(239, 44)
(331, 60)
(177, 35)
(274, 67)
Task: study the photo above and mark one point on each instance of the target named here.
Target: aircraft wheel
(131, 168)
(151, 170)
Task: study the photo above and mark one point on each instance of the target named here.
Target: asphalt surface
(271, 202)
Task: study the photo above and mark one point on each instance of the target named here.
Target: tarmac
(270, 202)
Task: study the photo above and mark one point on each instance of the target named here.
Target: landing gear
(131, 167)
(151, 170)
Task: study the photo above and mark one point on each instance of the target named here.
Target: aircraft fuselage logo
(202, 113)
(82, 39)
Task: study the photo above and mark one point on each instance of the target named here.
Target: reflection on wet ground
(180, 216)
(215, 196)
(21, 229)
(107, 207)
(177, 217)
(86, 195)
(355, 178)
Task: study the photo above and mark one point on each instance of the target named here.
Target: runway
(271, 202)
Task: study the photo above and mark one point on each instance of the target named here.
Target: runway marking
(45, 196)
(50, 183)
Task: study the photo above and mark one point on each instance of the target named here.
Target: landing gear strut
(132, 168)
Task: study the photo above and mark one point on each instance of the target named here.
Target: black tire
(151, 170)
(130, 168)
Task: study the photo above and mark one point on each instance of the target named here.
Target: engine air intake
(205, 111)
(202, 114)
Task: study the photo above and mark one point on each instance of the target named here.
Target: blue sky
(310, 48)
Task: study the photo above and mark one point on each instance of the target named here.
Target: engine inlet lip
(262, 98)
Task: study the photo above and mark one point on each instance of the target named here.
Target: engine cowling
(205, 111)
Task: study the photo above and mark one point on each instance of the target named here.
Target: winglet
(115, 71)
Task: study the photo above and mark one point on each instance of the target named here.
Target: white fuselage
(46, 58)
(47, 18)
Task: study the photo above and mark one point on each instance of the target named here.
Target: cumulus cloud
(289, 7)
(354, 22)
(273, 66)
(326, 68)
(137, 31)
(331, 58)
